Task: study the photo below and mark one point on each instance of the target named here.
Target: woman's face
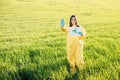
(73, 21)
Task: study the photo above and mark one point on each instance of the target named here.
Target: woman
(75, 38)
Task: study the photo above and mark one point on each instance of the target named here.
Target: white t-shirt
(75, 31)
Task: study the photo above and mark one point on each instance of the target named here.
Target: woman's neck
(74, 26)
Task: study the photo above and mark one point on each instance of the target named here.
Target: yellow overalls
(74, 46)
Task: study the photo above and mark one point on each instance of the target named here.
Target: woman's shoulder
(81, 27)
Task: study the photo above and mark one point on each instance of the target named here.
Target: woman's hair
(77, 24)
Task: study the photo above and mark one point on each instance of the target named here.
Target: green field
(33, 47)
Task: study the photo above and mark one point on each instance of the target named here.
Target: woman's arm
(65, 29)
(83, 33)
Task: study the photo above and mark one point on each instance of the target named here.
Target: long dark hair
(77, 24)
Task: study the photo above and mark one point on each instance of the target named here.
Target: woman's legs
(79, 56)
(71, 61)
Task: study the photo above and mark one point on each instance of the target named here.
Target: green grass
(32, 45)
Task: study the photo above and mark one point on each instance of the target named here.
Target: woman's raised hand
(62, 22)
